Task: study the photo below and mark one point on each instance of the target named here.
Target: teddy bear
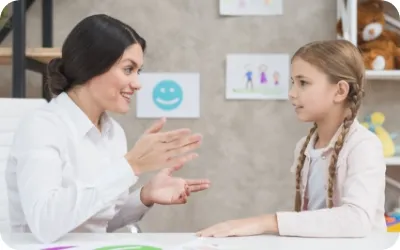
(379, 46)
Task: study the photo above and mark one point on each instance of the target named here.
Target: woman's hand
(164, 189)
(243, 227)
(155, 150)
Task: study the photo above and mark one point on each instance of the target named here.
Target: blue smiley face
(167, 95)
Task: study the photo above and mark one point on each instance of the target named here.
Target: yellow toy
(374, 123)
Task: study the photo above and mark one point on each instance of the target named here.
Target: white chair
(11, 112)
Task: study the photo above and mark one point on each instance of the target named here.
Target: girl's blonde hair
(339, 60)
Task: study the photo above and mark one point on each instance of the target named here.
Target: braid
(355, 101)
(302, 157)
(332, 166)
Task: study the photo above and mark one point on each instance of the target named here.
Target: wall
(248, 145)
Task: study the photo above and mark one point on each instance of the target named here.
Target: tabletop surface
(91, 241)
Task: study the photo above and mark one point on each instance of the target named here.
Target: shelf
(348, 15)
(43, 55)
(383, 74)
(393, 161)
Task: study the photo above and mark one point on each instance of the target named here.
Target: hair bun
(57, 81)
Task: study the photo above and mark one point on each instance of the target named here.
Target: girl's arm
(363, 190)
(54, 206)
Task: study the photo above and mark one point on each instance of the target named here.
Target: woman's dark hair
(94, 45)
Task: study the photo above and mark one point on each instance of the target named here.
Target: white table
(374, 242)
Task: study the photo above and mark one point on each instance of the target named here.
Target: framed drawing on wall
(257, 76)
(250, 7)
(171, 95)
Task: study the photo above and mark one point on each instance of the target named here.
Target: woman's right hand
(163, 149)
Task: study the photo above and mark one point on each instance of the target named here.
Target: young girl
(339, 166)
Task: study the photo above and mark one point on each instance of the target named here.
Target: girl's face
(311, 94)
(113, 90)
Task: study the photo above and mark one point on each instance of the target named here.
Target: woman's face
(113, 90)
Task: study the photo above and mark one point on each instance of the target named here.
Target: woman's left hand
(164, 189)
(242, 227)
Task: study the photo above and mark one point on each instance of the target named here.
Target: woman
(69, 169)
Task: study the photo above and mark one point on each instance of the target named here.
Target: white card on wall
(250, 7)
(171, 95)
(257, 76)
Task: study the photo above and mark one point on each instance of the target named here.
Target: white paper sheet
(204, 244)
(251, 7)
(123, 245)
(257, 76)
(172, 95)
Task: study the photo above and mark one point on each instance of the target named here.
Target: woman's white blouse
(63, 175)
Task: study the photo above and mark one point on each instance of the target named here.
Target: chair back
(11, 112)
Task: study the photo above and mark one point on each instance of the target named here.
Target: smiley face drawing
(167, 95)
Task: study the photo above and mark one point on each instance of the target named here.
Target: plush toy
(374, 122)
(379, 55)
(392, 221)
(380, 47)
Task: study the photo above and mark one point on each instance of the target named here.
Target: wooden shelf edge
(43, 55)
